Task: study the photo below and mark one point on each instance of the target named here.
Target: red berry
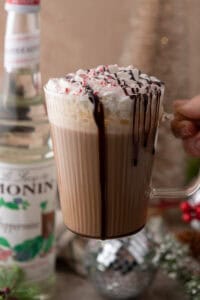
(185, 206)
(197, 209)
(6, 290)
(197, 212)
(187, 218)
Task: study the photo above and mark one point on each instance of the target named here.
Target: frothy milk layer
(116, 88)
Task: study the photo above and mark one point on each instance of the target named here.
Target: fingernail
(191, 109)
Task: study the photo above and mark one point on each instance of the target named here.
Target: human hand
(186, 124)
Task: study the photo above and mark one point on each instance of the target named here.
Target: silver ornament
(121, 268)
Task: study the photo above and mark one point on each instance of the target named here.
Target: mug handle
(173, 193)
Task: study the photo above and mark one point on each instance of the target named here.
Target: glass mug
(105, 184)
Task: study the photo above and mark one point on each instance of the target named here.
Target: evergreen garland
(14, 287)
(174, 258)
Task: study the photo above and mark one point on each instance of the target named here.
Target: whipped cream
(115, 87)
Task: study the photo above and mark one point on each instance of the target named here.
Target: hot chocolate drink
(104, 123)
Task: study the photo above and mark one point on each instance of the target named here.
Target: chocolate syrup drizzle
(156, 119)
(135, 140)
(138, 99)
(98, 114)
(145, 132)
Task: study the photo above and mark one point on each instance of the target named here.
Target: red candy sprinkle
(67, 90)
(100, 69)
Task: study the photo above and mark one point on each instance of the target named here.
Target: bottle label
(23, 6)
(21, 50)
(27, 210)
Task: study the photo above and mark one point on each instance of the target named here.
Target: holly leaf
(28, 249)
(48, 243)
(4, 243)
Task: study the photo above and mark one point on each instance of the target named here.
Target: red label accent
(23, 2)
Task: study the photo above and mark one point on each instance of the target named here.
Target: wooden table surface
(72, 287)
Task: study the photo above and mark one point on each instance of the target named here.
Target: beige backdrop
(79, 33)
(151, 34)
(160, 37)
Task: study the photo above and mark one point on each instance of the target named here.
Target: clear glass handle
(173, 193)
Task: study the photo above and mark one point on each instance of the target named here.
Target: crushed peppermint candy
(114, 86)
(104, 79)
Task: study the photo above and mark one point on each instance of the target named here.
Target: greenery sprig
(14, 287)
(174, 258)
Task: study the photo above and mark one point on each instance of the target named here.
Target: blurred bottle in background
(28, 187)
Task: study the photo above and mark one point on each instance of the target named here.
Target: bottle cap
(22, 6)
